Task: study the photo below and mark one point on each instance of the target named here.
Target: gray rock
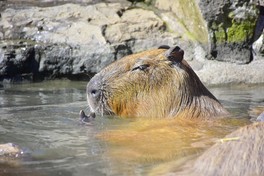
(258, 48)
(230, 28)
(142, 24)
(183, 18)
(77, 40)
(215, 73)
(18, 61)
(9, 150)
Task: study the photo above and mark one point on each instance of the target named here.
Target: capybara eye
(141, 67)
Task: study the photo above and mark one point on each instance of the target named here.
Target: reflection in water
(42, 118)
(157, 141)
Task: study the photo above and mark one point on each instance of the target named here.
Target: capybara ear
(175, 54)
(164, 47)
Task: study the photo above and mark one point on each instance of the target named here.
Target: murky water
(42, 118)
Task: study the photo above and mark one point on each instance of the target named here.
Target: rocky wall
(77, 39)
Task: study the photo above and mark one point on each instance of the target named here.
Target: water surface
(42, 118)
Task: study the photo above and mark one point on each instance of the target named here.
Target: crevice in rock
(79, 77)
(120, 12)
(122, 50)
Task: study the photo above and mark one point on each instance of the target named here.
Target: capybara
(240, 153)
(153, 83)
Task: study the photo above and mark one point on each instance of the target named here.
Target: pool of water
(42, 118)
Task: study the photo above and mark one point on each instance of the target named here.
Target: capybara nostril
(95, 93)
(94, 87)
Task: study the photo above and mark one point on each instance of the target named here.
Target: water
(42, 118)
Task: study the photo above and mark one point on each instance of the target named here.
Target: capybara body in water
(240, 153)
(154, 83)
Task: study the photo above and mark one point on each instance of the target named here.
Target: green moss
(240, 31)
(220, 33)
(236, 32)
(231, 27)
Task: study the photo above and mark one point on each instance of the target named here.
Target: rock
(258, 45)
(220, 30)
(78, 40)
(185, 20)
(144, 24)
(230, 29)
(72, 40)
(215, 73)
(18, 61)
(9, 150)
(258, 48)
(68, 38)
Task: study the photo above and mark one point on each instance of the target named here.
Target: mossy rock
(238, 32)
(186, 19)
(220, 33)
(241, 31)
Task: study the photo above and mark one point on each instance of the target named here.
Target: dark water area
(42, 118)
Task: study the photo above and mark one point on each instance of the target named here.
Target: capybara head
(153, 83)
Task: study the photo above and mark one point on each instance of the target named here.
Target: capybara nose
(93, 88)
(95, 93)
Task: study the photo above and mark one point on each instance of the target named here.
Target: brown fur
(164, 89)
(241, 155)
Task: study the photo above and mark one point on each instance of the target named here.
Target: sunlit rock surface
(76, 39)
